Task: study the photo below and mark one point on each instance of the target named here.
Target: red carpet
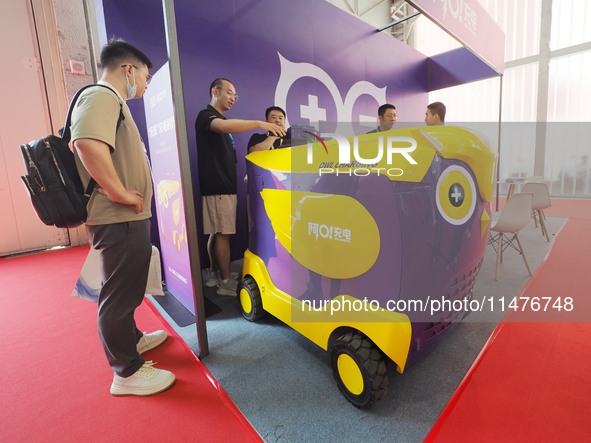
(55, 379)
(531, 382)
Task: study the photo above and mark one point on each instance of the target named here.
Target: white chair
(537, 179)
(541, 201)
(515, 216)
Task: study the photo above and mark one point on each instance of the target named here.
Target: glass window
(520, 93)
(570, 23)
(520, 20)
(517, 150)
(519, 112)
(569, 91)
(567, 158)
(567, 137)
(566, 151)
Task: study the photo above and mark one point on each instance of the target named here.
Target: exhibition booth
(360, 252)
(321, 64)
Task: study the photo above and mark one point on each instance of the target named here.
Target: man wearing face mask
(118, 224)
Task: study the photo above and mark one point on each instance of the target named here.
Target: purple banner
(302, 65)
(468, 22)
(279, 52)
(170, 208)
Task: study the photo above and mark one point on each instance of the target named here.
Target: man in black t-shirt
(266, 141)
(216, 159)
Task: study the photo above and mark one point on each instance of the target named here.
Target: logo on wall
(311, 108)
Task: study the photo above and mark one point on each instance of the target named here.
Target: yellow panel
(401, 155)
(332, 235)
(390, 331)
(484, 222)
(398, 155)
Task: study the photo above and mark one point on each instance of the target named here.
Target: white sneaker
(151, 340)
(213, 278)
(147, 380)
(228, 287)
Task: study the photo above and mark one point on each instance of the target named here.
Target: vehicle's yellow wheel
(359, 368)
(251, 303)
(350, 374)
(245, 301)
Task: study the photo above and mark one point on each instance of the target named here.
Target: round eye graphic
(455, 195)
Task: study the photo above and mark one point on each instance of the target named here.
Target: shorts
(219, 214)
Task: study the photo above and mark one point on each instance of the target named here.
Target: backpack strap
(67, 135)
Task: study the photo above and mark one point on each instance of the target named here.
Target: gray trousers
(125, 250)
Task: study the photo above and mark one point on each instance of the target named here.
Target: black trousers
(125, 250)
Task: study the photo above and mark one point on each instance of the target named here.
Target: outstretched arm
(265, 145)
(236, 125)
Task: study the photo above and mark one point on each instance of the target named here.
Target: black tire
(359, 368)
(251, 304)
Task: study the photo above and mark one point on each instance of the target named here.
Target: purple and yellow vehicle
(363, 244)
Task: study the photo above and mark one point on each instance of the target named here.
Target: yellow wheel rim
(350, 374)
(245, 301)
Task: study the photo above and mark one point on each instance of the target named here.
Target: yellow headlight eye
(456, 195)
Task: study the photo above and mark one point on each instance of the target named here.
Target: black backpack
(52, 178)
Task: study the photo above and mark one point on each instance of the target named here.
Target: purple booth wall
(309, 57)
(315, 60)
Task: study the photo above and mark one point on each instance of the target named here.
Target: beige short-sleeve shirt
(95, 117)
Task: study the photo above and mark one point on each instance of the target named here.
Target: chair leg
(536, 216)
(543, 224)
(523, 254)
(499, 253)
